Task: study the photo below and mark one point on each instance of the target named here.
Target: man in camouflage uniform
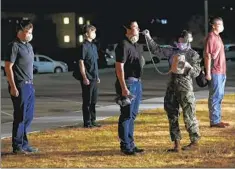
(180, 88)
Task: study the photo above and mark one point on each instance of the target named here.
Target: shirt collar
(20, 41)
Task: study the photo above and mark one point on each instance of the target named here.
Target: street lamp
(206, 16)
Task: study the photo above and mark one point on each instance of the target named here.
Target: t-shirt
(215, 47)
(130, 54)
(22, 55)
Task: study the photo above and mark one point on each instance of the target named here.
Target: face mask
(134, 39)
(190, 39)
(182, 46)
(29, 37)
(222, 29)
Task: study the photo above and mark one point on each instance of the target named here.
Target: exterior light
(80, 20)
(80, 38)
(66, 39)
(66, 20)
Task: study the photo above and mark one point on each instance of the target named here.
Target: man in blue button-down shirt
(88, 64)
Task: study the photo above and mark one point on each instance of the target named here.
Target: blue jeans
(128, 116)
(216, 95)
(23, 114)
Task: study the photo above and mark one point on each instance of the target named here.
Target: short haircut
(213, 20)
(183, 34)
(88, 28)
(24, 24)
(128, 23)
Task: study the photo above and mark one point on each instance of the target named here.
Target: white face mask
(190, 39)
(29, 37)
(134, 39)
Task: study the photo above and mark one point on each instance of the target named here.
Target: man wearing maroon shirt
(215, 64)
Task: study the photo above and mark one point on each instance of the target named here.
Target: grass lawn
(75, 147)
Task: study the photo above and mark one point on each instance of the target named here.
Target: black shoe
(31, 149)
(138, 150)
(19, 151)
(95, 124)
(128, 152)
(88, 126)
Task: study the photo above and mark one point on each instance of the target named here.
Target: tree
(196, 26)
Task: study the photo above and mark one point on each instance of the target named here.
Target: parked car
(35, 69)
(105, 59)
(230, 52)
(110, 50)
(228, 45)
(156, 58)
(45, 64)
(3, 72)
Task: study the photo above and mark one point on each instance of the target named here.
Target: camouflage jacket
(179, 82)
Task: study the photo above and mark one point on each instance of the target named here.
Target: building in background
(67, 26)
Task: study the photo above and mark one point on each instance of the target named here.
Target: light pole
(206, 16)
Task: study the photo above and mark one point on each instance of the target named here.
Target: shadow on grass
(89, 153)
(6, 154)
(36, 155)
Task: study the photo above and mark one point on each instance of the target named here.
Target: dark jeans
(89, 97)
(23, 114)
(128, 115)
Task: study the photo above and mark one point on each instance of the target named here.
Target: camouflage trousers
(186, 100)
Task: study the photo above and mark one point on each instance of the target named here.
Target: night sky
(109, 15)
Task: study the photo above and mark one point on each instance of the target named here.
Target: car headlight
(63, 63)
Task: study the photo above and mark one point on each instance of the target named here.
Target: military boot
(177, 147)
(192, 146)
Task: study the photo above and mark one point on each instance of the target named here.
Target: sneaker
(19, 151)
(218, 125)
(138, 150)
(31, 149)
(94, 124)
